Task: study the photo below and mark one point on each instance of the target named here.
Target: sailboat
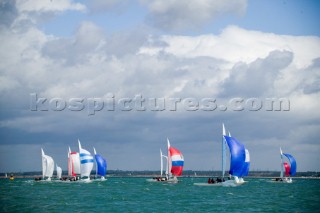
(239, 161)
(101, 165)
(59, 171)
(47, 166)
(86, 163)
(73, 165)
(218, 181)
(161, 177)
(290, 168)
(174, 165)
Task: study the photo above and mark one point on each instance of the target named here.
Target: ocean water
(137, 195)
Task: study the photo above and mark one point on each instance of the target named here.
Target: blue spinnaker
(246, 164)
(101, 164)
(245, 169)
(238, 156)
(293, 164)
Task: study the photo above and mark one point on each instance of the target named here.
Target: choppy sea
(137, 195)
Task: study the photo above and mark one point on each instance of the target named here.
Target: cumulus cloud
(8, 12)
(175, 15)
(92, 63)
(257, 78)
(33, 12)
(48, 6)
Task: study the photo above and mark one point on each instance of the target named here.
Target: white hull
(207, 184)
(284, 180)
(163, 181)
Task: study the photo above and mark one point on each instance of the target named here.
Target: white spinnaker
(86, 162)
(59, 171)
(47, 165)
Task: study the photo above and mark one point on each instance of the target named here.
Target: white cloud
(92, 63)
(235, 44)
(48, 5)
(175, 15)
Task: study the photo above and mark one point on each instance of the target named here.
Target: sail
(101, 164)
(246, 164)
(287, 168)
(86, 162)
(47, 165)
(73, 163)
(177, 161)
(281, 156)
(223, 151)
(59, 171)
(238, 156)
(293, 164)
(161, 163)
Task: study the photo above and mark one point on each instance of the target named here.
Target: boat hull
(208, 184)
(162, 181)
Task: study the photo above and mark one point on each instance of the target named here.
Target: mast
(95, 153)
(43, 163)
(223, 150)
(169, 159)
(161, 163)
(281, 155)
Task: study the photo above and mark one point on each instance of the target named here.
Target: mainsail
(86, 162)
(101, 164)
(176, 160)
(223, 151)
(238, 156)
(73, 163)
(47, 165)
(59, 171)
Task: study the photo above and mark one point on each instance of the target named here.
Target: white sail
(73, 163)
(223, 151)
(161, 163)
(47, 165)
(168, 160)
(86, 162)
(281, 166)
(94, 152)
(59, 171)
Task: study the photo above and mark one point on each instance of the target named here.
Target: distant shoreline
(185, 174)
(148, 176)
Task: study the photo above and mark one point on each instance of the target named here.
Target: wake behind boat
(174, 168)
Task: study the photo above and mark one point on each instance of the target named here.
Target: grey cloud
(175, 15)
(257, 78)
(107, 5)
(8, 12)
(311, 80)
(91, 40)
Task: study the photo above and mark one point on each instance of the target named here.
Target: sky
(123, 76)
